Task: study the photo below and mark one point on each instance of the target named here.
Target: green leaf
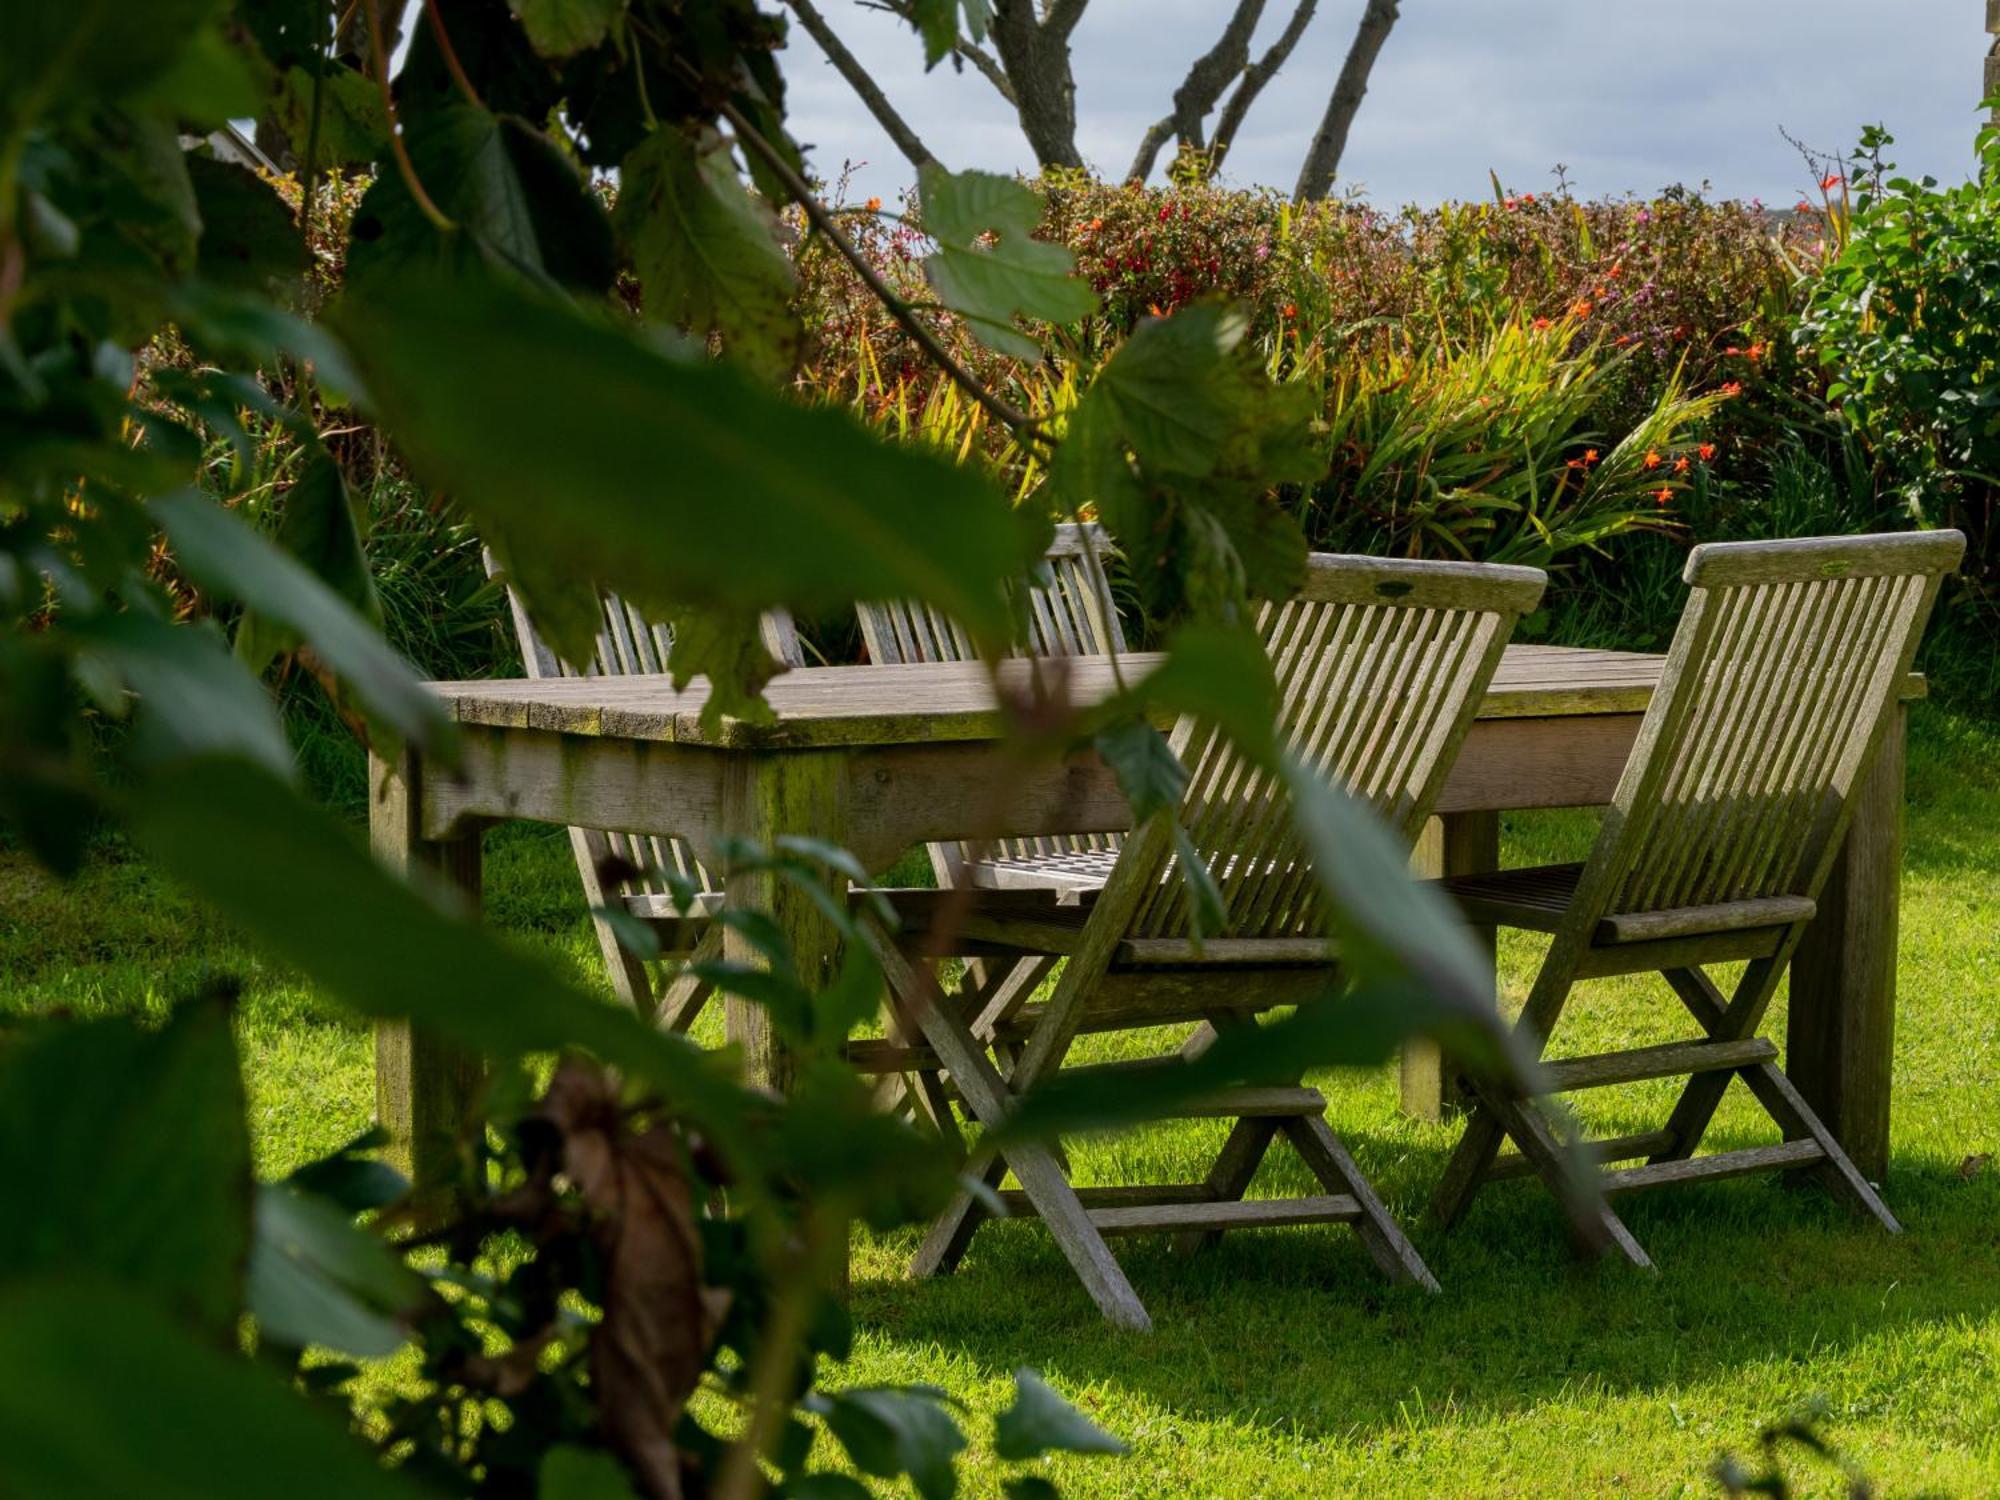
(1016, 274)
(1149, 773)
(1170, 390)
(353, 125)
(352, 1176)
(676, 483)
(888, 1432)
(561, 28)
(1041, 1422)
(705, 248)
(123, 1154)
(222, 553)
(515, 202)
(826, 1486)
(63, 54)
(101, 1393)
(249, 239)
(208, 84)
(221, 826)
(318, 1278)
(193, 696)
(728, 649)
(937, 23)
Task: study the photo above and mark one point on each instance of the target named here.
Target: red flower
(1707, 451)
(1732, 388)
(1580, 309)
(1541, 322)
(1289, 311)
(1831, 181)
(1804, 207)
(1662, 495)
(1681, 465)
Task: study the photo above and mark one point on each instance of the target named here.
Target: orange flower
(1663, 495)
(1580, 309)
(1732, 349)
(1652, 459)
(1590, 455)
(1623, 339)
(1732, 388)
(1755, 351)
(1289, 311)
(874, 205)
(1095, 225)
(1576, 463)
(1155, 309)
(1804, 207)
(1829, 182)
(1707, 451)
(1681, 465)
(1542, 323)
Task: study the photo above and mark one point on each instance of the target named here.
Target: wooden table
(879, 759)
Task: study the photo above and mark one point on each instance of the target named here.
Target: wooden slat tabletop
(871, 705)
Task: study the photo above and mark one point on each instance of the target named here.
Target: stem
(404, 166)
(777, 1355)
(824, 221)
(451, 63)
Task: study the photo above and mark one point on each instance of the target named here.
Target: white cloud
(1631, 94)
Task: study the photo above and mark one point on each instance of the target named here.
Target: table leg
(424, 1087)
(1841, 1040)
(1466, 843)
(763, 797)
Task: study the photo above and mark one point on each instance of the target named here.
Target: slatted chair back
(1070, 613)
(629, 645)
(1786, 665)
(1381, 666)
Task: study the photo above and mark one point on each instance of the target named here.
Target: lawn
(1281, 1365)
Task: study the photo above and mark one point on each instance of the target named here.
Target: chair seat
(1065, 871)
(1538, 897)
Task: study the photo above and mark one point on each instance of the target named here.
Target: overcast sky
(1632, 95)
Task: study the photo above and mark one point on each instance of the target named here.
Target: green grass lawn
(1281, 1364)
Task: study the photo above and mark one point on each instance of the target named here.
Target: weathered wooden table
(879, 759)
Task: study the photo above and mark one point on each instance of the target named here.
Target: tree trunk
(1330, 140)
(870, 93)
(1035, 53)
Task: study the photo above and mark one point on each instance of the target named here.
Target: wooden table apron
(882, 758)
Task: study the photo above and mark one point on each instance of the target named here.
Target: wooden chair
(1070, 612)
(627, 646)
(1782, 676)
(1381, 667)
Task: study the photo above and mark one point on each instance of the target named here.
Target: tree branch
(1061, 16)
(1330, 140)
(1205, 81)
(970, 51)
(858, 78)
(822, 220)
(1251, 84)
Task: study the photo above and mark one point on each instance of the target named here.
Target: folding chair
(629, 646)
(1381, 667)
(1070, 613)
(1782, 676)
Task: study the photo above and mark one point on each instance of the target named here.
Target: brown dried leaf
(1972, 1166)
(647, 1354)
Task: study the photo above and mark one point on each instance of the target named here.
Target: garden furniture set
(1751, 780)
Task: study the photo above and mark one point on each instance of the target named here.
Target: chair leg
(683, 996)
(1702, 1094)
(1230, 1176)
(1335, 1166)
(989, 1100)
(1796, 1118)
(950, 1234)
(1465, 1173)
